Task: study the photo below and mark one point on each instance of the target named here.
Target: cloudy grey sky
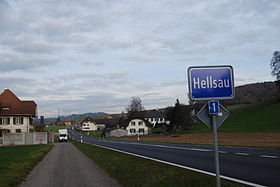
(94, 55)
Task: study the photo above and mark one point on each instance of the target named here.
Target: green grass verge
(133, 171)
(258, 117)
(16, 162)
(55, 128)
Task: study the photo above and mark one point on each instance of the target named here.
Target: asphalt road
(251, 166)
(66, 166)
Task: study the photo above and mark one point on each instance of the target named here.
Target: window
(140, 123)
(18, 121)
(141, 130)
(18, 130)
(132, 131)
(133, 123)
(4, 121)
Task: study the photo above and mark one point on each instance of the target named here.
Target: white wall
(25, 127)
(136, 127)
(25, 138)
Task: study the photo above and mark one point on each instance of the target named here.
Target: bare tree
(275, 67)
(135, 105)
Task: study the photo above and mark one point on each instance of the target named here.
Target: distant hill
(252, 93)
(75, 116)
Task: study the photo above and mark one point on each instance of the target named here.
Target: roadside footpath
(65, 166)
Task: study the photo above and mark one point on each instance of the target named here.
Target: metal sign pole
(216, 153)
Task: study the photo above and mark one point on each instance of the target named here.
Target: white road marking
(222, 152)
(245, 154)
(156, 145)
(204, 150)
(184, 167)
(269, 156)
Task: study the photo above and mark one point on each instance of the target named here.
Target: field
(133, 171)
(93, 134)
(16, 162)
(267, 139)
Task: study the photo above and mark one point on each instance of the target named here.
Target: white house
(155, 117)
(137, 126)
(89, 124)
(16, 116)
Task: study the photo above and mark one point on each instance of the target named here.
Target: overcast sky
(94, 55)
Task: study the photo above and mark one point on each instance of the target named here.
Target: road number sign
(211, 82)
(213, 107)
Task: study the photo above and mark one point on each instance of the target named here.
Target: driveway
(65, 166)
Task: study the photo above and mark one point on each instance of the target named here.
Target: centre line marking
(222, 152)
(269, 156)
(163, 146)
(245, 154)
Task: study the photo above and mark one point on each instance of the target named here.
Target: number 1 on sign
(213, 107)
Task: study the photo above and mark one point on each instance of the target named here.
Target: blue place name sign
(211, 82)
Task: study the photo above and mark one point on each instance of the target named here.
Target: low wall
(116, 133)
(25, 138)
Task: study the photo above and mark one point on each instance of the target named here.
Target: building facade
(137, 127)
(154, 117)
(89, 124)
(16, 116)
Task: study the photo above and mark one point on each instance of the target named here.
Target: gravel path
(65, 166)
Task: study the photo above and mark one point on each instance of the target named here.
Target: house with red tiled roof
(16, 115)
